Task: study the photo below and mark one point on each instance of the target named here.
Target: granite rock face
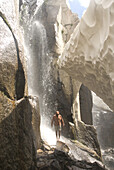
(86, 105)
(18, 140)
(12, 79)
(17, 147)
(86, 134)
(88, 56)
(8, 61)
(36, 120)
(64, 26)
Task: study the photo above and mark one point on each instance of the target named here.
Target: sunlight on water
(48, 135)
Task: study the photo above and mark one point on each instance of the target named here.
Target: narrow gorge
(51, 60)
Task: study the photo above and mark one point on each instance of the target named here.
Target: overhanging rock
(89, 54)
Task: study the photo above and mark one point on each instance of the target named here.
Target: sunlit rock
(65, 24)
(8, 61)
(62, 146)
(88, 55)
(86, 134)
(12, 77)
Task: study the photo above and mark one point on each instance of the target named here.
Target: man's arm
(62, 121)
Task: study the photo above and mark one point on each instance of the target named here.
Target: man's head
(57, 113)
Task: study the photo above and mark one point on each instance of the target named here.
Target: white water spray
(39, 79)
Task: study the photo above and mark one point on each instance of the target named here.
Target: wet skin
(58, 121)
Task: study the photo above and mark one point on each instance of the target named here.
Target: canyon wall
(88, 55)
(64, 92)
(20, 113)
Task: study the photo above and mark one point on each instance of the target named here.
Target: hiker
(57, 120)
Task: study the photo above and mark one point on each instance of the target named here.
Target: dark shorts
(58, 128)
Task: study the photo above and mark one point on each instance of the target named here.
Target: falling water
(38, 60)
(39, 78)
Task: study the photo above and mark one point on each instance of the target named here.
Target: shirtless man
(57, 120)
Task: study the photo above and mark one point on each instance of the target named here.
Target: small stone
(50, 152)
(40, 164)
(39, 151)
(46, 147)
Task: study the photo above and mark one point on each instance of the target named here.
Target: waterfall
(39, 78)
(38, 60)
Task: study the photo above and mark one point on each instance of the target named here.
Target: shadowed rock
(17, 137)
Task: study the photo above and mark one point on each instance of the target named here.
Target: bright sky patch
(78, 6)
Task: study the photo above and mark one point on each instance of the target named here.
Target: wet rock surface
(108, 158)
(57, 157)
(59, 160)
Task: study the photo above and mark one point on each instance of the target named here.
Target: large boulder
(17, 144)
(86, 134)
(12, 77)
(8, 61)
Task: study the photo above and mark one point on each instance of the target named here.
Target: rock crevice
(20, 77)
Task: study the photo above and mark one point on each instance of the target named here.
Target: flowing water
(39, 74)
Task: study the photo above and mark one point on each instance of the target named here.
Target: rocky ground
(59, 160)
(53, 159)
